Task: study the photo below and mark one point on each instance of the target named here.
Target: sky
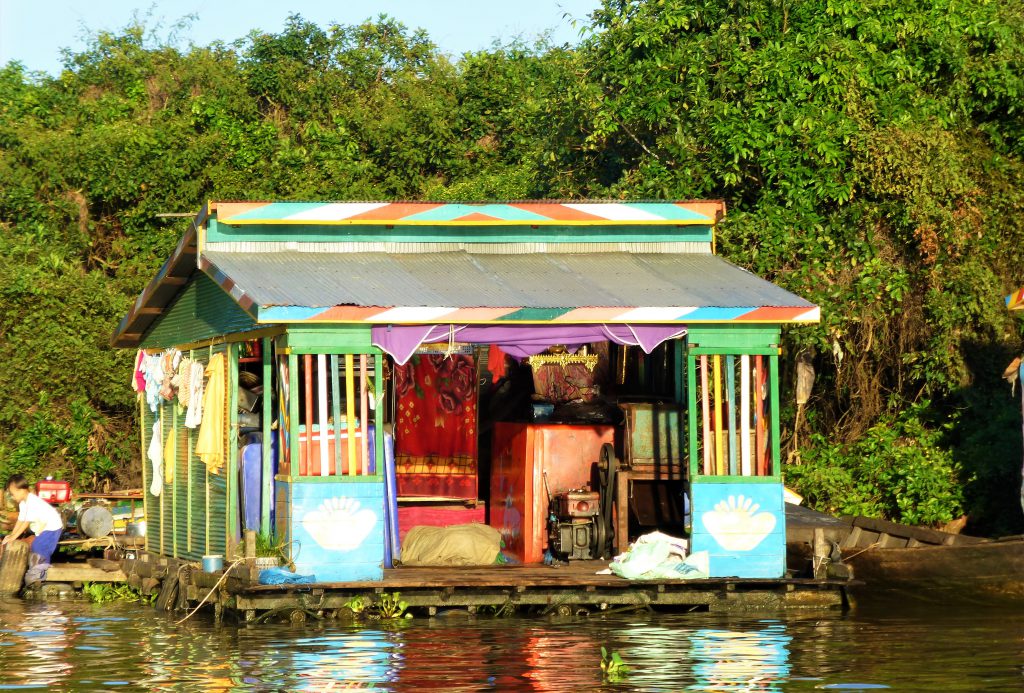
(33, 32)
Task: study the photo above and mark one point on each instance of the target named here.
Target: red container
(53, 491)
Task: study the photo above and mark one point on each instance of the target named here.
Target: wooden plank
(921, 534)
(82, 572)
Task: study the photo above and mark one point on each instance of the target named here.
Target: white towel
(156, 456)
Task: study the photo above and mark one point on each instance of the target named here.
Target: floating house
(365, 367)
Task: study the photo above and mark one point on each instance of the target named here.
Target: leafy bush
(900, 470)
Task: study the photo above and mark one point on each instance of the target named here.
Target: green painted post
(680, 369)
(174, 479)
(691, 411)
(267, 475)
(378, 415)
(293, 415)
(773, 377)
(231, 469)
(188, 479)
(145, 462)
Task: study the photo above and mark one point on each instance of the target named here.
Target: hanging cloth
(180, 381)
(156, 456)
(496, 363)
(170, 455)
(154, 377)
(194, 416)
(211, 442)
(139, 375)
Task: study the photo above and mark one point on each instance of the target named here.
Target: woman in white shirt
(44, 521)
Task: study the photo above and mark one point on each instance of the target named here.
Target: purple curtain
(519, 341)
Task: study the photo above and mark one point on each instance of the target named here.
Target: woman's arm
(19, 528)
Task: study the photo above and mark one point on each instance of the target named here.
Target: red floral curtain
(436, 426)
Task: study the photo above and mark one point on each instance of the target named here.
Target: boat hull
(990, 572)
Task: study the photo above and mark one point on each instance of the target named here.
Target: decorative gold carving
(563, 360)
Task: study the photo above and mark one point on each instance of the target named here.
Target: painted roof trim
(525, 213)
(1015, 301)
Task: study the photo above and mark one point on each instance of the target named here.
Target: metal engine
(572, 525)
(580, 521)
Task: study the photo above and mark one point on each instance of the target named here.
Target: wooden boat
(926, 564)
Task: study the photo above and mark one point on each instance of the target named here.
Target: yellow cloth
(170, 456)
(212, 440)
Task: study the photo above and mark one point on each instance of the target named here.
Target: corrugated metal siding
(470, 280)
(171, 529)
(201, 311)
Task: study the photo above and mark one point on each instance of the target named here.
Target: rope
(212, 590)
(861, 551)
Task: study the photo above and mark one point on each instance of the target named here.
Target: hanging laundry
(138, 375)
(194, 416)
(155, 453)
(180, 381)
(170, 455)
(169, 364)
(496, 363)
(154, 377)
(211, 442)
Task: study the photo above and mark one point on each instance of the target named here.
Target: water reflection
(76, 646)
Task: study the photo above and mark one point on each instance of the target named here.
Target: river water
(73, 645)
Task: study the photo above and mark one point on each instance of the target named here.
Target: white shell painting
(736, 525)
(339, 524)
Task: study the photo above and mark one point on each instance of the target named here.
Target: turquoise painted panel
(743, 528)
(659, 209)
(498, 211)
(715, 313)
(337, 530)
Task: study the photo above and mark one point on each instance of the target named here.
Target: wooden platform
(84, 572)
(576, 584)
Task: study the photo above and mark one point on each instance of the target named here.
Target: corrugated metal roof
(465, 279)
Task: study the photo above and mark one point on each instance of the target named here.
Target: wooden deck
(576, 585)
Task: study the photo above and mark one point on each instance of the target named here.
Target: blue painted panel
(337, 530)
(742, 527)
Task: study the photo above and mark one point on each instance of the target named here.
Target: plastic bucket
(212, 564)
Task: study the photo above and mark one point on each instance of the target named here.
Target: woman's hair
(17, 481)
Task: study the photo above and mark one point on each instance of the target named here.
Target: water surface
(69, 645)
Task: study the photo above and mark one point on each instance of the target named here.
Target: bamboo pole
(705, 407)
(745, 415)
(364, 414)
(730, 403)
(759, 430)
(307, 365)
(350, 412)
(321, 392)
(716, 372)
(336, 412)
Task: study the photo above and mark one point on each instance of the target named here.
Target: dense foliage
(870, 153)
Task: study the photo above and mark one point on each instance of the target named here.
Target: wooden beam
(82, 572)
